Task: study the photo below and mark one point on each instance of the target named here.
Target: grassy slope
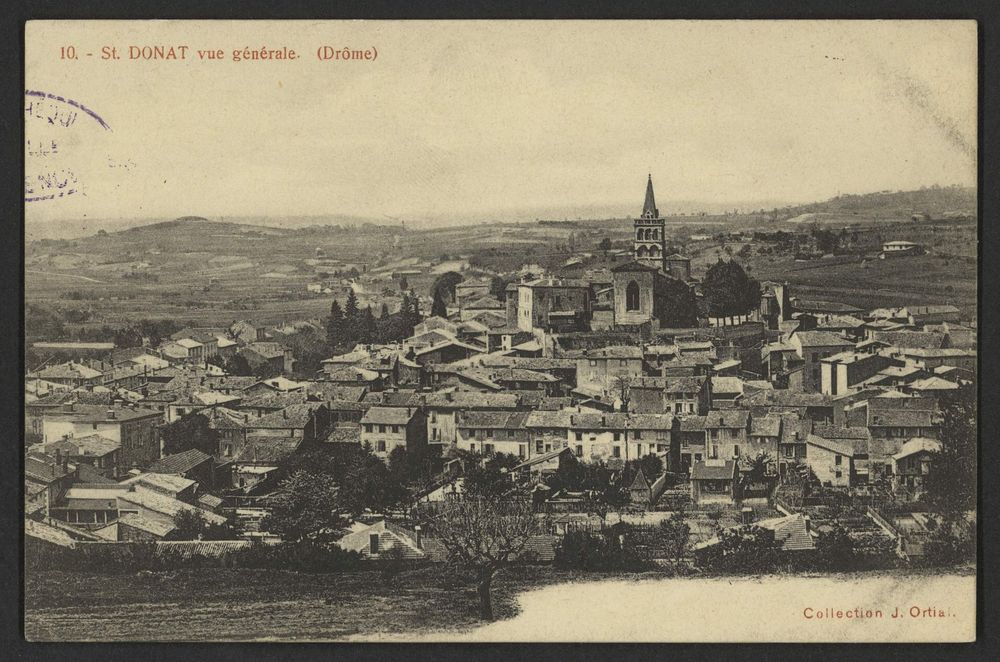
(220, 604)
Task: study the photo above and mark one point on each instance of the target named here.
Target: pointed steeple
(649, 209)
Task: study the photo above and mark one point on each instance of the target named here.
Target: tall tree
(485, 536)
(446, 283)
(187, 432)
(728, 291)
(351, 308)
(439, 307)
(604, 246)
(384, 312)
(237, 364)
(366, 324)
(950, 485)
(335, 324)
(404, 284)
(305, 506)
(678, 307)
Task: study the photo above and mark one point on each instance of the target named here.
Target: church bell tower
(649, 239)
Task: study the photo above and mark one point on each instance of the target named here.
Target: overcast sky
(490, 118)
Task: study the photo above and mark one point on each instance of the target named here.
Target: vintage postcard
(576, 331)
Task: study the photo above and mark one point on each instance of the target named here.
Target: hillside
(935, 201)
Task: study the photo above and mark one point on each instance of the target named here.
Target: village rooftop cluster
(768, 416)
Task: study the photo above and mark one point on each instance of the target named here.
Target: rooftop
(179, 463)
(379, 415)
(713, 470)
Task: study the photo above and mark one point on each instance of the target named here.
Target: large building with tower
(645, 287)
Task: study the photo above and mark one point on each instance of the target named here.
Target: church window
(632, 296)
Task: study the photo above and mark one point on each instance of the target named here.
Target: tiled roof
(261, 449)
(521, 375)
(389, 415)
(350, 374)
(93, 445)
(292, 417)
(179, 463)
(161, 481)
(529, 362)
(692, 423)
(155, 527)
(901, 418)
(821, 339)
(222, 418)
(330, 391)
(484, 303)
(790, 531)
(166, 505)
(99, 414)
(917, 445)
(544, 457)
(70, 370)
(727, 418)
(491, 419)
(393, 398)
(469, 400)
(830, 431)
(651, 421)
(615, 352)
(344, 434)
(911, 339)
(785, 398)
(933, 384)
(765, 426)
(717, 470)
(833, 445)
(727, 385)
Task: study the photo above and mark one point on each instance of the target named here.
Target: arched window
(655, 235)
(640, 252)
(632, 296)
(654, 251)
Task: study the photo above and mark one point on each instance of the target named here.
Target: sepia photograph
(500, 331)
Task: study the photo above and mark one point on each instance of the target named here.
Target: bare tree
(486, 535)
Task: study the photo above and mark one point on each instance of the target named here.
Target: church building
(648, 288)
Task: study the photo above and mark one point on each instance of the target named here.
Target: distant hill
(934, 200)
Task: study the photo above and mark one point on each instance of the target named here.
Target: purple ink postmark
(56, 130)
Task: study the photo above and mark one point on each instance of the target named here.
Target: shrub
(605, 551)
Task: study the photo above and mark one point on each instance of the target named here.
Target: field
(211, 273)
(536, 602)
(231, 605)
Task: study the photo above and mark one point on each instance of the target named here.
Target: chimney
(746, 515)
(604, 421)
(58, 456)
(416, 530)
(111, 413)
(808, 524)
(284, 413)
